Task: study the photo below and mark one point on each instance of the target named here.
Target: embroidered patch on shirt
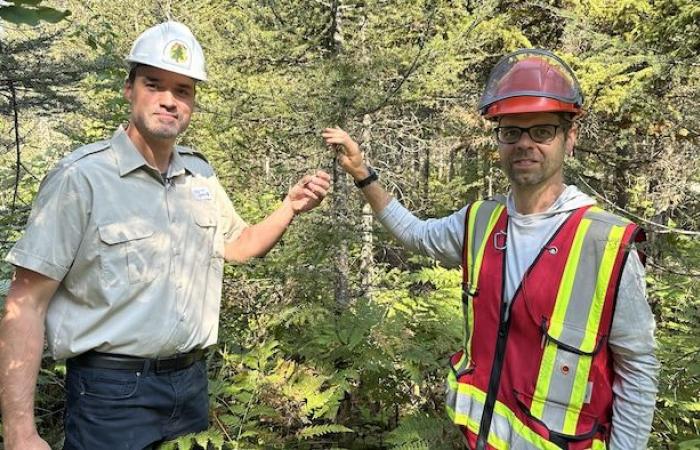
(201, 193)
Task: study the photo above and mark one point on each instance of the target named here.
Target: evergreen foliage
(296, 367)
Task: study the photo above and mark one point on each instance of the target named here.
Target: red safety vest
(538, 374)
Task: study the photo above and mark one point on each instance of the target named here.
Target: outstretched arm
(256, 240)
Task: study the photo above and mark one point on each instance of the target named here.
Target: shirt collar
(178, 164)
(188, 164)
(128, 158)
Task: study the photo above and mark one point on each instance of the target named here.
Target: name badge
(201, 193)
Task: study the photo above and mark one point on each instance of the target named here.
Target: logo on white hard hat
(178, 53)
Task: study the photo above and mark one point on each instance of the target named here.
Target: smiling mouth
(166, 116)
(525, 162)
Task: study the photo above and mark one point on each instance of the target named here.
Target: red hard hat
(530, 80)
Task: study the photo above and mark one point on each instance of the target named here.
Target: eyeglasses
(542, 134)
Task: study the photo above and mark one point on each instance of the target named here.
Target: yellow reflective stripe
(598, 445)
(543, 379)
(461, 362)
(470, 238)
(555, 328)
(612, 247)
(522, 430)
(475, 263)
(468, 333)
(578, 394)
(470, 324)
(480, 254)
(567, 281)
(516, 425)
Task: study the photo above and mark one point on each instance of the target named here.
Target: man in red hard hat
(559, 348)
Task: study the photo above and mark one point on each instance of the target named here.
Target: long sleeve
(441, 239)
(635, 364)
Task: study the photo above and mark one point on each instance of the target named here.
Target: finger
(333, 130)
(336, 140)
(308, 193)
(329, 132)
(322, 181)
(321, 178)
(319, 188)
(323, 175)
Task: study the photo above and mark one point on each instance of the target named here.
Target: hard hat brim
(197, 76)
(528, 104)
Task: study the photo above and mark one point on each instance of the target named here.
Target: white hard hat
(170, 46)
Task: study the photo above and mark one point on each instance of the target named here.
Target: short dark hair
(567, 121)
(132, 72)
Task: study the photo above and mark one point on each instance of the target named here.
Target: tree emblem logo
(178, 53)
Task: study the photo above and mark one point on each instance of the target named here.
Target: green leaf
(692, 444)
(321, 430)
(32, 15)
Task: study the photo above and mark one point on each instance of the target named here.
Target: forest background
(340, 338)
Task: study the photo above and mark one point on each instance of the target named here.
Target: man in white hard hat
(121, 266)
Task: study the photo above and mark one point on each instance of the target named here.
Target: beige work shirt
(140, 259)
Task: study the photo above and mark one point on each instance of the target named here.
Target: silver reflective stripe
(576, 319)
(506, 432)
(598, 214)
(476, 233)
(583, 292)
(483, 215)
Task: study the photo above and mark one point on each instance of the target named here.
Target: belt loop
(146, 366)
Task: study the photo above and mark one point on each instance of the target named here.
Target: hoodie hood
(571, 198)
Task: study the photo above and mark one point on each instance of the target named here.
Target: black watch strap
(371, 178)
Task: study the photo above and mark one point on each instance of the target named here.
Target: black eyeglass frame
(527, 130)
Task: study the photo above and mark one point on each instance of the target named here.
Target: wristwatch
(371, 178)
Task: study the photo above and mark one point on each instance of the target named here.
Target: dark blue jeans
(128, 410)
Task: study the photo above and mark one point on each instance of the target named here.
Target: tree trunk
(367, 253)
(342, 267)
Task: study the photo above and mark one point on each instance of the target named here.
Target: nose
(167, 99)
(525, 140)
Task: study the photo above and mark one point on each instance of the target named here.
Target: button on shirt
(140, 257)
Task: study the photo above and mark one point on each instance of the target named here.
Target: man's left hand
(309, 192)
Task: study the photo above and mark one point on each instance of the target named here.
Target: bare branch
(658, 227)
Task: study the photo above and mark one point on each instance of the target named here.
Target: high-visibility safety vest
(536, 373)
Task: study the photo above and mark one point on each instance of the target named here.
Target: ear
(128, 90)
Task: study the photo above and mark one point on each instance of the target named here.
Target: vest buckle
(500, 240)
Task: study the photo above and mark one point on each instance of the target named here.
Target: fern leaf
(314, 431)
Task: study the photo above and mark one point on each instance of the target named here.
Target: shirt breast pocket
(566, 381)
(208, 232)
(130, 251)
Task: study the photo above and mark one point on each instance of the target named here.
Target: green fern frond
(210, 439)
(314, 431)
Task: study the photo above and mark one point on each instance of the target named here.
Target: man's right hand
(33, 442)
(350, 156)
